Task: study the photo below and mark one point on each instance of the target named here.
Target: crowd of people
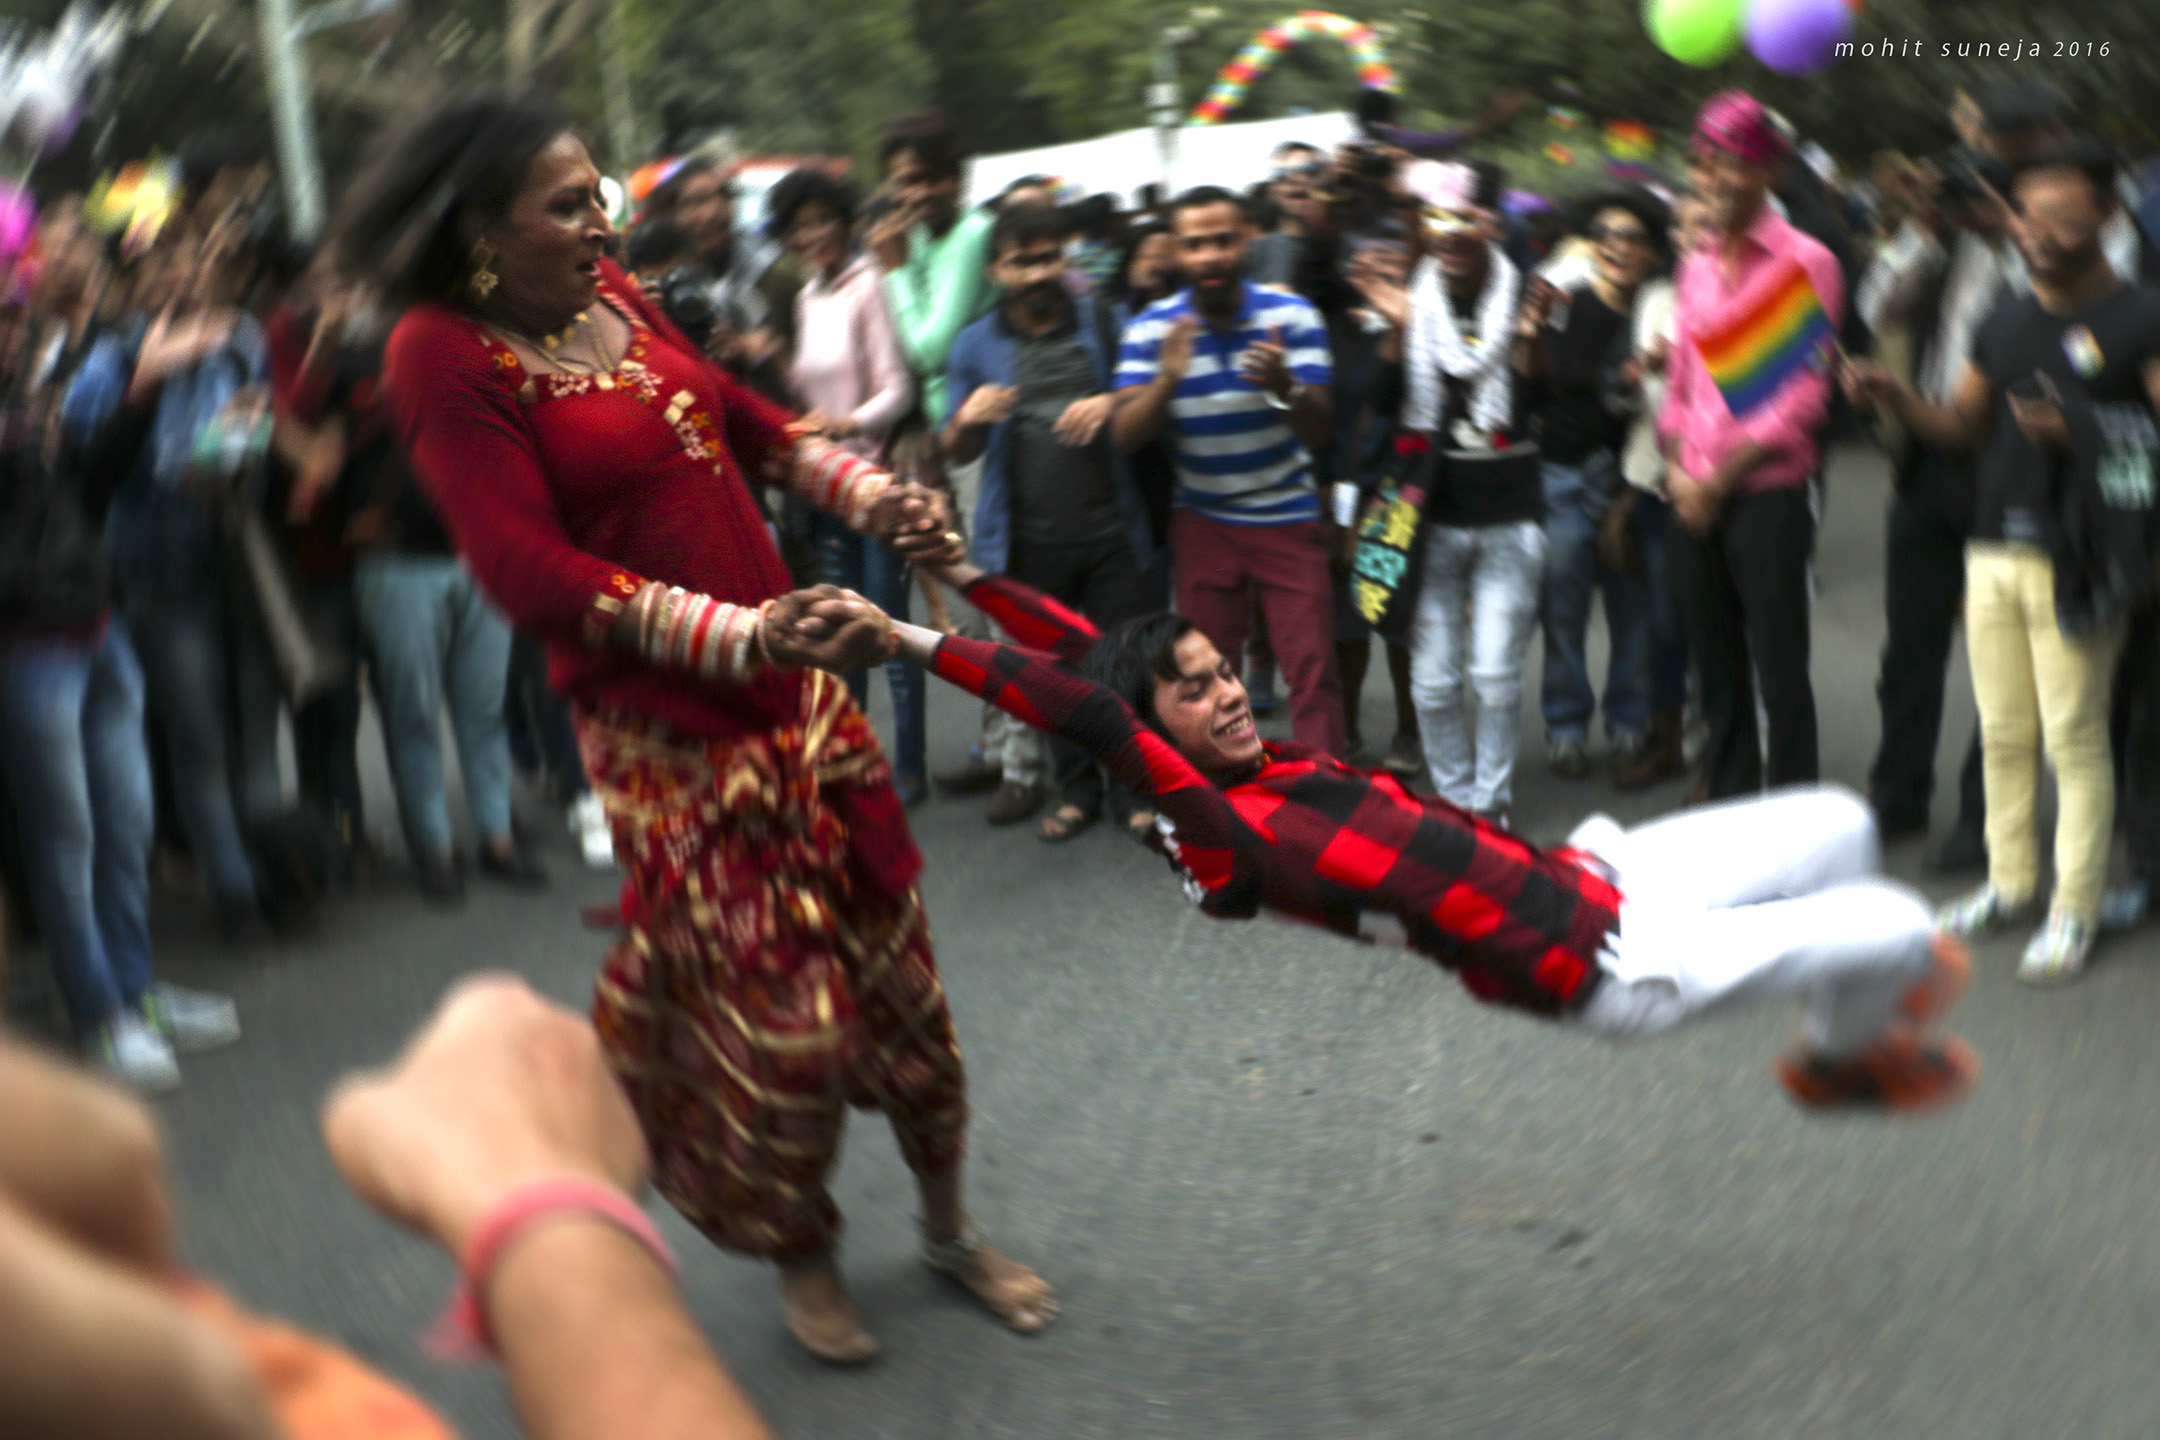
(624, 504)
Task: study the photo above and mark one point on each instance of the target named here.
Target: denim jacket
(984, 354)
(164, 537)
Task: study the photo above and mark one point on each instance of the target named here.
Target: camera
(684, 299)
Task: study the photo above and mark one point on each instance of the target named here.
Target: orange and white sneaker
(1901, 1071)
(1935, 992)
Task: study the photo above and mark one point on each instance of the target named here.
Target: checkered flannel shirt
(1306, 836)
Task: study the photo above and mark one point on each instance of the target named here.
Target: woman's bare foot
(1008, 1289)
(821, 1315)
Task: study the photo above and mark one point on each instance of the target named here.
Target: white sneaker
(130, 1049)
(589, 823)
(191, 1021)
(2058, 952)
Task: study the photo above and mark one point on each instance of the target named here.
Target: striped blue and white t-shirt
(1237, 459)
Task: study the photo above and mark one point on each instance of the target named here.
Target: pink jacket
(847, 361)
(1785, 425)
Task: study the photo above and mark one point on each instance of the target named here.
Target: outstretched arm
(1212, 841)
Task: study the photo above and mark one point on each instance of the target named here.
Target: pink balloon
(1798, 37)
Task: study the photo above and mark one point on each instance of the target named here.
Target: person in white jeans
(1754, 900)
(1475, 616)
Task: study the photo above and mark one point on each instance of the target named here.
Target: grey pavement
(1290, 1188)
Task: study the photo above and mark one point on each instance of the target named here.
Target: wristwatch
(1287, 402)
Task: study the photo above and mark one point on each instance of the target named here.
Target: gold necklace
(549, 344)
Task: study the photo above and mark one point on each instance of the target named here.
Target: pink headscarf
(1736, 122)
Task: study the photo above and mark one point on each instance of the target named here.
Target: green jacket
(943, 288)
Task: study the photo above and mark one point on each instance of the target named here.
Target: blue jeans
(868, 568)
(71, 724)
(217, 704)
(1655, 529)
(1576, 499)
(435, 639)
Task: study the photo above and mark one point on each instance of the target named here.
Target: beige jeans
(2037, 687)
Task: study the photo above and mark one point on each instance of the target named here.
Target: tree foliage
(822, 75)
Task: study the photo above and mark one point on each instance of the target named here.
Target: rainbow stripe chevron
(1759, 349)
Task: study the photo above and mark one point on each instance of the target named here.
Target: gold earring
(483, 279)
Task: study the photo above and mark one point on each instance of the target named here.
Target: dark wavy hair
(1133, 656)
(401, 222)
(808, 185)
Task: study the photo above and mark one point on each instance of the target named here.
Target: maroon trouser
(1218, 569)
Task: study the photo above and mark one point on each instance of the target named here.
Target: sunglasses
(1621, 234)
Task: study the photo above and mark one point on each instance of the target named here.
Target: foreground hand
(498, 1089)
(1083, 420)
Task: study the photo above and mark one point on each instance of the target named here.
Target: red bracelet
(462, 1336)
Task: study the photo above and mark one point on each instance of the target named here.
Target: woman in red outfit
(596, 472)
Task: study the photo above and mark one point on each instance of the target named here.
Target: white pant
(1475, 615)
(1753, 900)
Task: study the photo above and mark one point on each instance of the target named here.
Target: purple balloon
(1798, 37)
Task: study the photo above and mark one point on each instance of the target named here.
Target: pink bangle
(462, 1336)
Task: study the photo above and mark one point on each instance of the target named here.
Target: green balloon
(1697, 32)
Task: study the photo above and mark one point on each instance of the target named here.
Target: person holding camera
(1942, 274)
(734, 294)
(2061, 389)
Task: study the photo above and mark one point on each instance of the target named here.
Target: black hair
(667, 196)
(1132, 657)
(1374, 109)
(2088, 153)
(1138, 235)
(1201, 196)
(1096, 217)
(1025, 182)
(206, 152)
(808, 185)
(1638, 202)
(926, 134)
(467, 159)
(655, 242)
(2009, 106)
(1024, 225)
(1490, 179)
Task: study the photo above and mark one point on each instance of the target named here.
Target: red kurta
(565, 490)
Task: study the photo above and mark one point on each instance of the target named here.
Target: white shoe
(2058, 952)
(130, 1049)
(589, 823)
(191, 1021)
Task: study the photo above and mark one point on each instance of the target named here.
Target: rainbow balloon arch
(1264, 49)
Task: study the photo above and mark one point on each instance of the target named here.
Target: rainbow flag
(1629, 140)
(1758, 350)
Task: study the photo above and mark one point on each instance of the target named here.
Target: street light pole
(292, 110)
(1165, 105)
(292, 106)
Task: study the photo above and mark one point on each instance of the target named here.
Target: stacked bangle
(683, 630)
(834, 480)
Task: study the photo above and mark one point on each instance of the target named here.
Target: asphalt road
(1291, 1189)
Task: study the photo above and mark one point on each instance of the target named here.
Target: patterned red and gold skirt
(768, 981)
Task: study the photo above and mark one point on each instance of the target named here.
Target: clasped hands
(828, 628)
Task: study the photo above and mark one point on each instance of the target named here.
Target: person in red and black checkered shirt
(1625, 933)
